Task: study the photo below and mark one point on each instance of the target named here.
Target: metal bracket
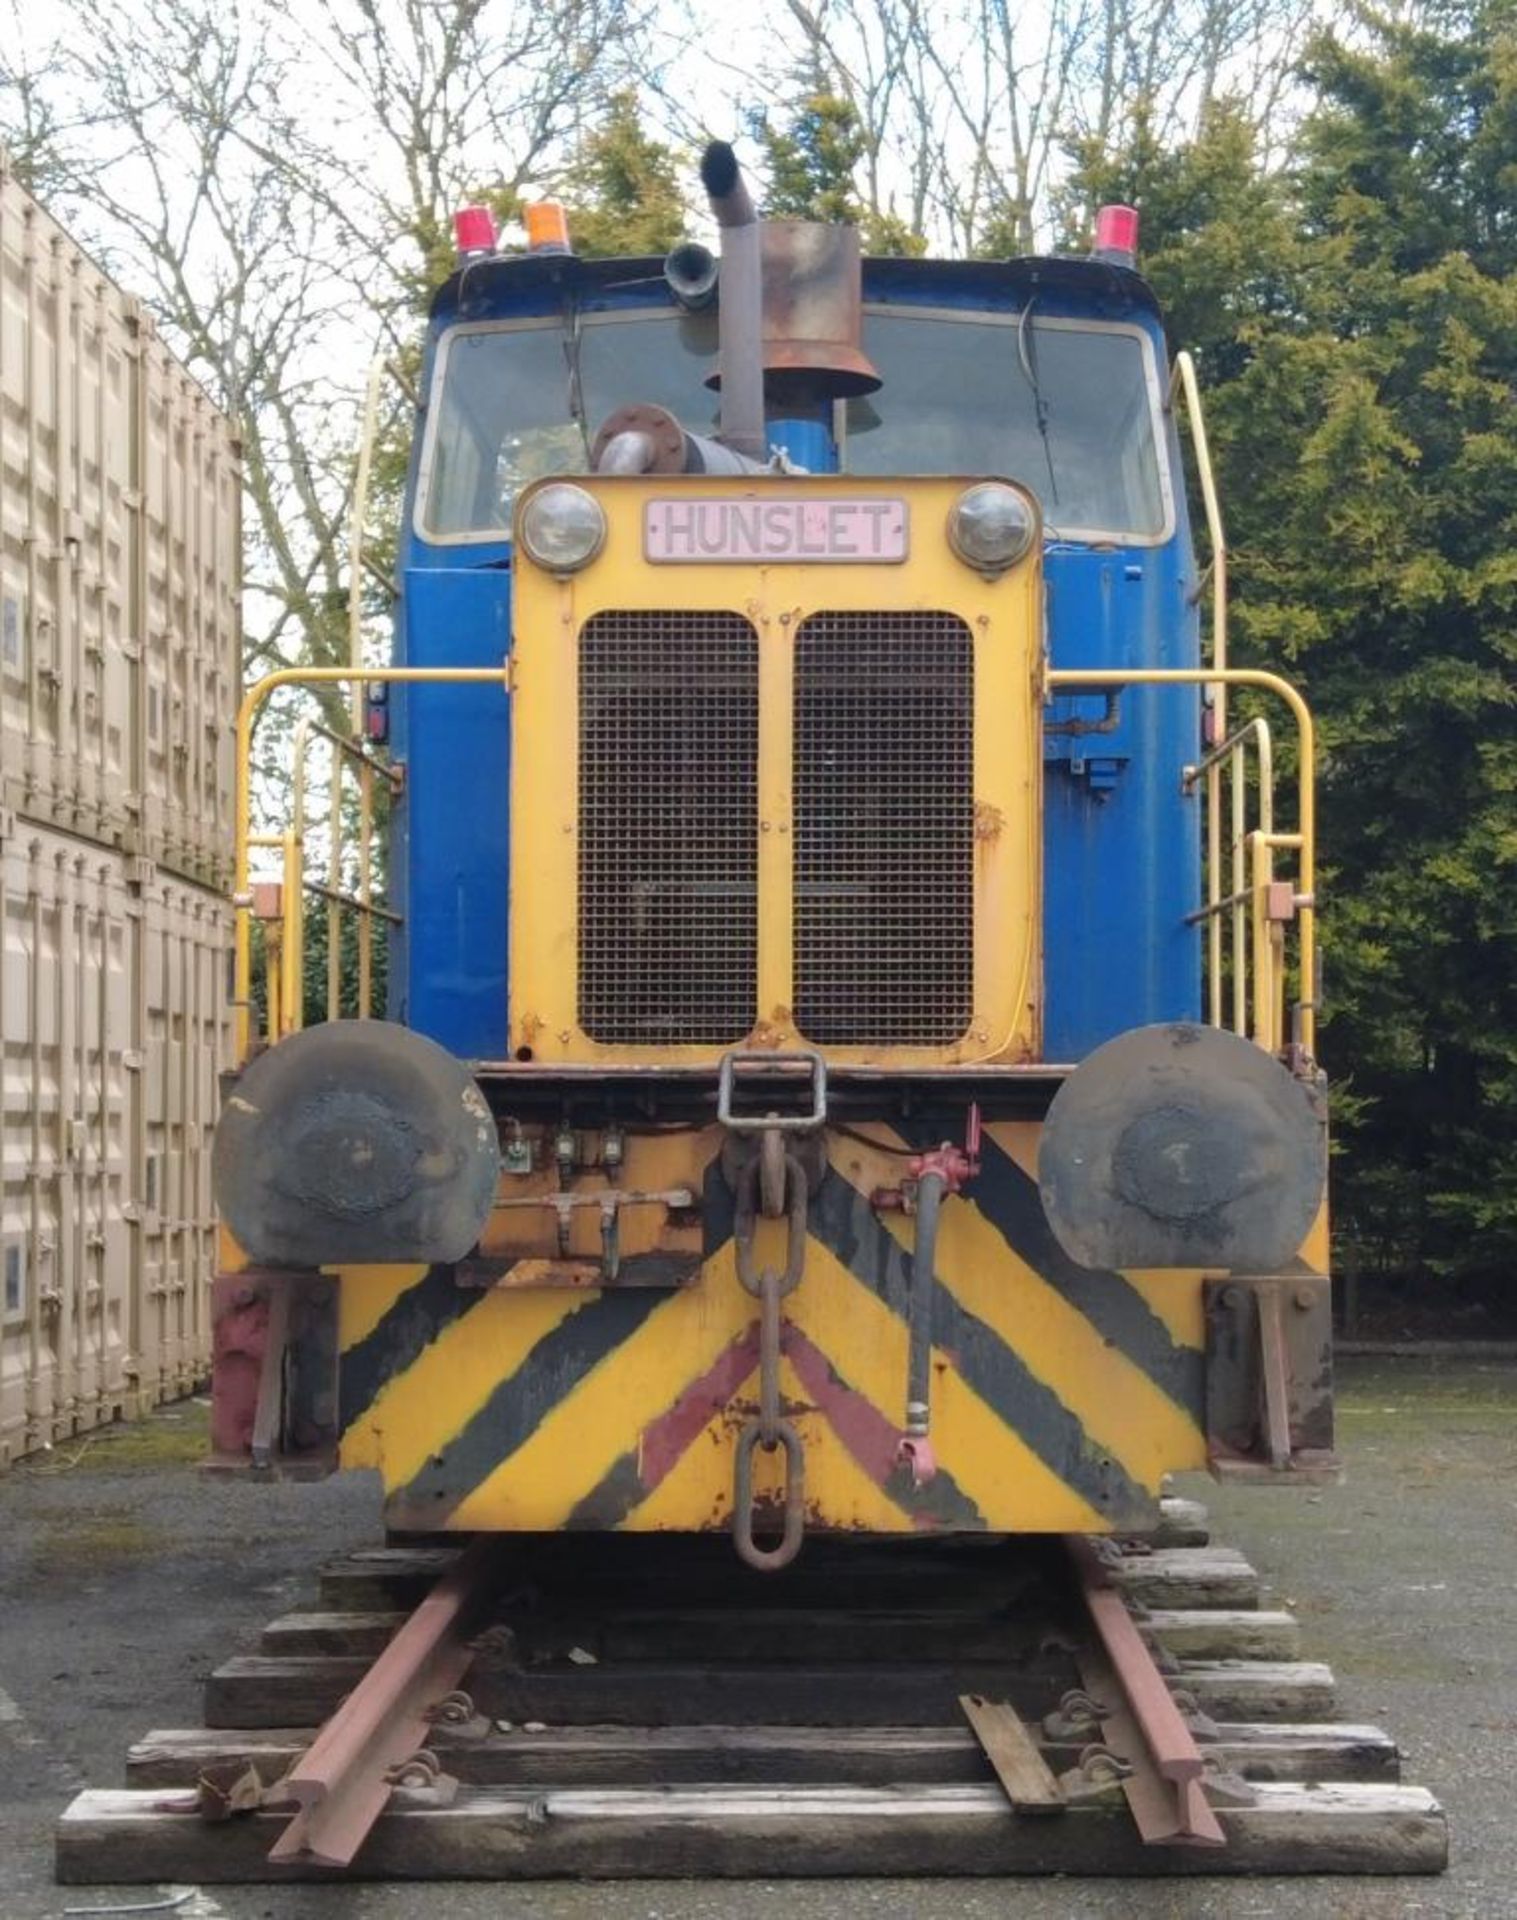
(608, 1202)
(1077, 1717)
(273, 1373)
(1098, 1774)
(1269, 1412)
(268, 1412)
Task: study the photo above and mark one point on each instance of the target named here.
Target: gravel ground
(124, 1576)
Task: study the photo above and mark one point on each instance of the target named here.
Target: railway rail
(1119, 1707)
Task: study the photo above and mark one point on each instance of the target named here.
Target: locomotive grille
(884, 828)
(668, 818)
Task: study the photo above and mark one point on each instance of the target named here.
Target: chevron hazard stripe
(1060, 1395)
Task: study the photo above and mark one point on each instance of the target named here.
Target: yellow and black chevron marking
(1061, 1395)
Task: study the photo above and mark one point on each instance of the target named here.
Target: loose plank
(1182, 1523)
(626, 1570)
(367, 1632)
(686, 1636)
(793, 1634)
(1012, 1751)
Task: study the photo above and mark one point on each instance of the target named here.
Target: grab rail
(367, 766)
(1184, 385)
(1228, 762)
(1255, 888)
(285, 978)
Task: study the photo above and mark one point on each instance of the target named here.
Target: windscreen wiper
(1027, 356)
(572, 334)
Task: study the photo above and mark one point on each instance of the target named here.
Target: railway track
(645, 1706)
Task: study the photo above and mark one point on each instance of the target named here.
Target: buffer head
(1183, 1146)
(355, 1141)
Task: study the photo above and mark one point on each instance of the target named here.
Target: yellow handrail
(361, 903)
(242, 900)
(273, 945)
(1064, 679)
(368, 429)
(1230, 758)
(359, 510)
(1184, 377)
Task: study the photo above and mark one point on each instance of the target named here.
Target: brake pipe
(943, 1171)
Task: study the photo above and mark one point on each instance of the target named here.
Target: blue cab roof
(521, 285)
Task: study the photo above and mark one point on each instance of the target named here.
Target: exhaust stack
(741, 312)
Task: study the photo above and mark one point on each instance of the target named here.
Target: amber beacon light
(547, 227)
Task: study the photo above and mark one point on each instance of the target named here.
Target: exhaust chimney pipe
(741, 311)
(644, 439)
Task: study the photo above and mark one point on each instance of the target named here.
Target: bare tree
(225, 249)
(45, 134)
(277, 182)
(968, 109)
(1177, 56)
(422, 103)
(278, 178)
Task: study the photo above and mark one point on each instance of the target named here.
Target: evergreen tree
(1398, 591)
(623, 192)
(1219, 235)
(1005, 233)
(812, 161)
(1357, 322)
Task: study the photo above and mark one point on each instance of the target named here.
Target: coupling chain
(769, 1429)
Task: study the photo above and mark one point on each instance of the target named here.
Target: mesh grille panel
(884, 829)
(668, 800)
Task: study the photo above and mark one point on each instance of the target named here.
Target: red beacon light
(474, 232)
(1117, 236)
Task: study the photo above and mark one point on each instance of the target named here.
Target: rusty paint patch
(768, 1036)
(989, 821)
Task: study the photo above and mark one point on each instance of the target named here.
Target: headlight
(563, 528)
(991, 527)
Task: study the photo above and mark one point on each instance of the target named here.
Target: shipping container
(113, 1029)
(119, 563)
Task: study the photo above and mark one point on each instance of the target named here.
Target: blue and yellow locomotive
(849, 1063)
